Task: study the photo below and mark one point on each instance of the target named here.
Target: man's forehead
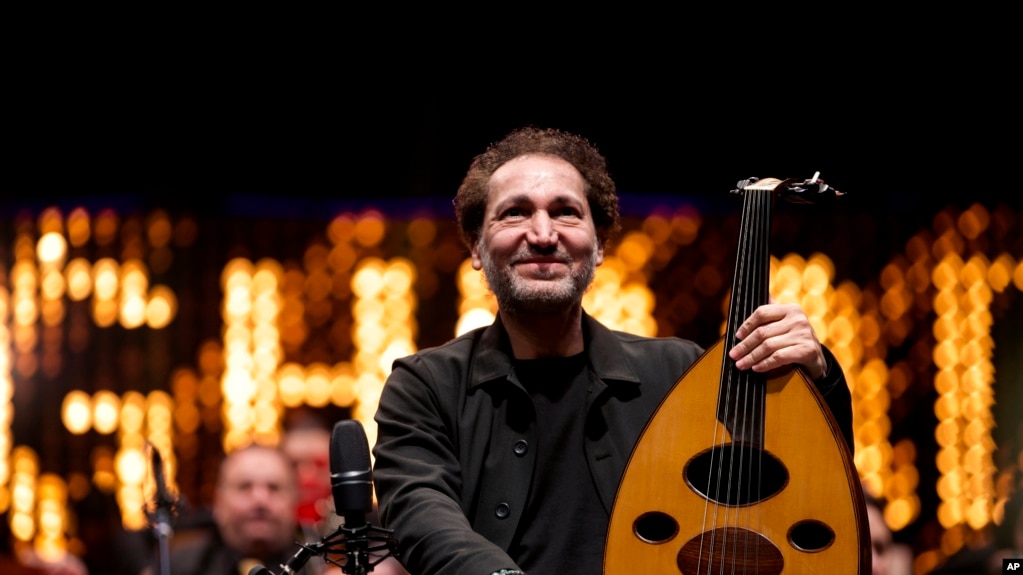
(534, 164)
(272, 480)
(254, 471)
(255, 462)
(518, 177)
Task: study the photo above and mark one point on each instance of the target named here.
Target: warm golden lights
(77, 412)
(50, 272)
(323, 329)
(384, 327)
(252, 352)
(962, 353)
(6, 394)
(852, 332)
(477, 306)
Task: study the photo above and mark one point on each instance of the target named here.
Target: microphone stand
(162, 510)
(356, 544)
(160, 520)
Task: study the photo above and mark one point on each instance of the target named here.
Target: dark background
(216, 133)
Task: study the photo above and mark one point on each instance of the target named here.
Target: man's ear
(215, 508)
(477, 261)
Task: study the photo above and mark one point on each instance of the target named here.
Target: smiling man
(538, 247)
(501, 451)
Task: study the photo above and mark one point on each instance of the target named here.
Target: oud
(736, 471)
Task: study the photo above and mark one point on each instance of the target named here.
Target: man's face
(255, 502)
(538, 246)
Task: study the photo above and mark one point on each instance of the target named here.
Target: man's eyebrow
(519, 199)
(516, 199)
(569, 199)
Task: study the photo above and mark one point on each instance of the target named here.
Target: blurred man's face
(255, 502)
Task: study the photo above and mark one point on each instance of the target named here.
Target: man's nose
(541, 229)
(262, 493)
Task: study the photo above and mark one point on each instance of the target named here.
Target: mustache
(258, 514)
(530, 253)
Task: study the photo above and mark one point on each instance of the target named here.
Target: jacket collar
(493, 356)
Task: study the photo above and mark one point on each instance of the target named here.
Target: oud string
(712, 490)
(715, 470)
(743, 490)
(739, 303)
(730, 378)
(748, 423)
(744, 308)
(758, 381)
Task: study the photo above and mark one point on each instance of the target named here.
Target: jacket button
(521, 447)
(503, 511)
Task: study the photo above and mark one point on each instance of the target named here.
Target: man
(501, 451)
(254, 513)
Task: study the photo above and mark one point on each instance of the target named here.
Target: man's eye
(513, 213)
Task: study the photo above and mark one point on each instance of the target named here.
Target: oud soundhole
(736, 474)
(655, 527)
(730, 550)
(811, 536)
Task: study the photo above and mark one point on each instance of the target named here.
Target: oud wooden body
(799, 430)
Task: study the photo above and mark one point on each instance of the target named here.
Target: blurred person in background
(254, 520)
(887, 556)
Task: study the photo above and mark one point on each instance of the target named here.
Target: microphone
(351, 474)
(351, 482)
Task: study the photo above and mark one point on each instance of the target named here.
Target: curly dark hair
(471, 200)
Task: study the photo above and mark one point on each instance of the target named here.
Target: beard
(546, 291)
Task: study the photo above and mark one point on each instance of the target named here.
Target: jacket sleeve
(835, 389)
(418, 477)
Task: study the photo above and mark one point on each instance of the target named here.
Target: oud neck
(751, 282)
(741, 393)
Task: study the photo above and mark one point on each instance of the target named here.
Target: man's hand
(777, 335)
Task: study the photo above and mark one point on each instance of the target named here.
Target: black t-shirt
(564, 524)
